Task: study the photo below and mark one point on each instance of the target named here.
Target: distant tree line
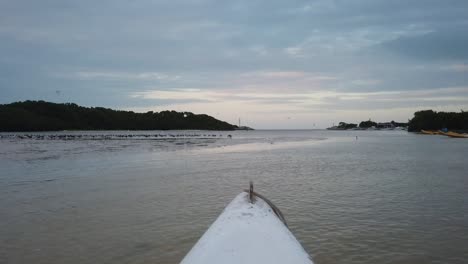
(343, 125)
(431, 120)
(46, 116)
(368, 124)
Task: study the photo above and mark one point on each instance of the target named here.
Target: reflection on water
(387, 197)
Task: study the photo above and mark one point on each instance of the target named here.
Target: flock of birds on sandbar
(108, 136)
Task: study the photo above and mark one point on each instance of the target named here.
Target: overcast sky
(274, 64)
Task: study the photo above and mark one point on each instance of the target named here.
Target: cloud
(364, 82)
(456, 67)
(294, 51)
(333, 99)
(277, 74)
(265, 108)
(302, 57)
(106, 75)
(438, 45)
(259, 50)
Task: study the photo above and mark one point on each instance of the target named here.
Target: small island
(425, 120)
(30, 116)
(370, 125)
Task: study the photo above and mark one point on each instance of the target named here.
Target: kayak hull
(247, 233)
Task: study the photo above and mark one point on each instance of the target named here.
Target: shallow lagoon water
(387, 197)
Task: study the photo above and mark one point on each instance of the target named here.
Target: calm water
(387, 197)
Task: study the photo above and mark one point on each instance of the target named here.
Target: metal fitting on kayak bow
(275, 209)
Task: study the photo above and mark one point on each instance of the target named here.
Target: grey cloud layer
(101, 52)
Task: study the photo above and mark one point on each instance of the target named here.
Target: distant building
(387, 125)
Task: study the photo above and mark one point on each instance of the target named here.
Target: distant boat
(429, 132)
(335, 128)
(454, 134)
(250, 230)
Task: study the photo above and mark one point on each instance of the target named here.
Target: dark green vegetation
(431, 120)
(367, 124)
(343, 125)
(45, 116)
(364, 125)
